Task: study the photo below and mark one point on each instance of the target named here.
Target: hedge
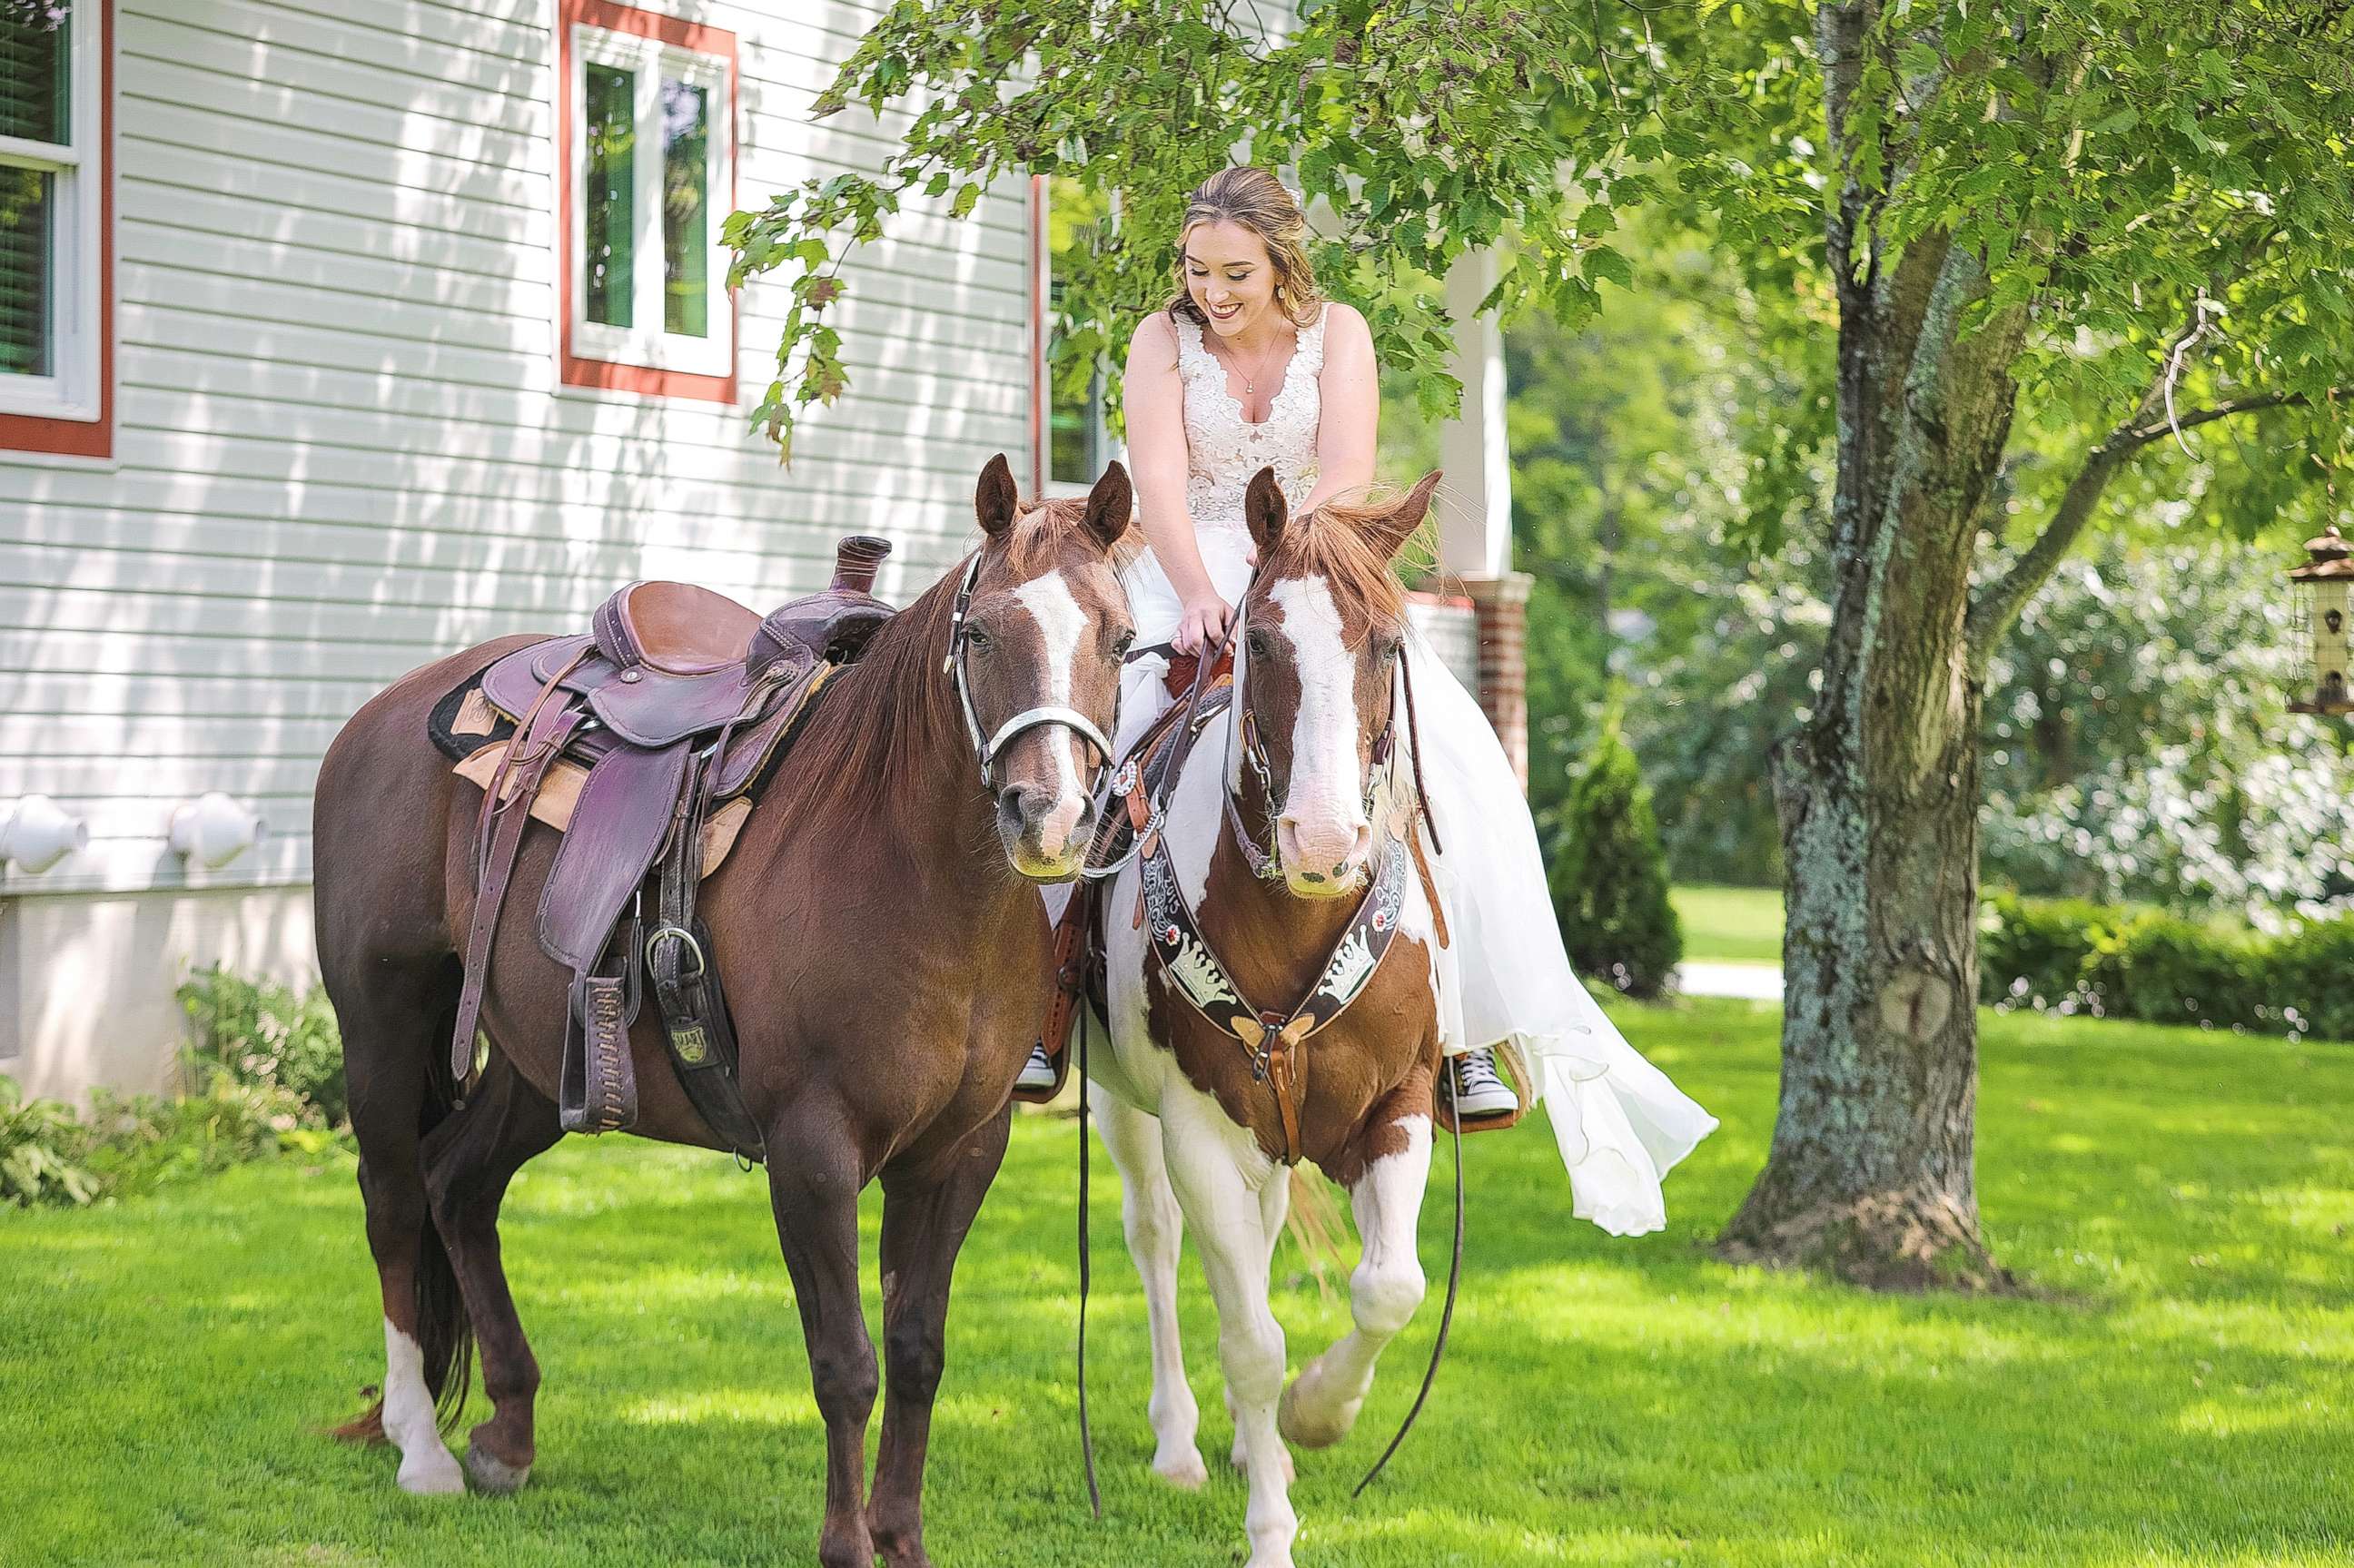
(2067, 956)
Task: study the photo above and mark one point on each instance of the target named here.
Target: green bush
(2036, 952)
(2309, 981)
(266, 1076)
(267, 1036)
(1608, 875)
(144, 1141)
(2120, 962)
(41, 1151)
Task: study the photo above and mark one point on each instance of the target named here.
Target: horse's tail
(445, 1336)
(1315, 1225)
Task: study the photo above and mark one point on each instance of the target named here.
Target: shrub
(2119, 961)
(2167, 969)
(2036, 952)
(142, 1141)
(266, 1076)
(41, 1151)
(267, 1036)
(1609, 877)
(2308, 973)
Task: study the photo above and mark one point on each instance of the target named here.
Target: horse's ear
(996, 500)
(1265, 510)
(1111, 505)
(1390, 532)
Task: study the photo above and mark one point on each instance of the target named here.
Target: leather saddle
(675, 701)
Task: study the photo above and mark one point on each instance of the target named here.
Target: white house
(333, 336)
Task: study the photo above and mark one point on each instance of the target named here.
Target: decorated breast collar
(1271, 1040)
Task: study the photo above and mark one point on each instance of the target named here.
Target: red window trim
(573, 369)
(87, 438)
(1040, 282)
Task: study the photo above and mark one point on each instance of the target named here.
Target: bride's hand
(1204, 620)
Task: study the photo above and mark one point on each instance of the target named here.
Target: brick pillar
(1502, 603)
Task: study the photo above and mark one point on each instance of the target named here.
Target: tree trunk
(1871, 1172)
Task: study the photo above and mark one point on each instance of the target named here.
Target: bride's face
(1230, 276)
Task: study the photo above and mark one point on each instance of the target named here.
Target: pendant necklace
(1250, 378)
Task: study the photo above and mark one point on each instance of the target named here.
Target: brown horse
(1188, 1110)
(886, 967)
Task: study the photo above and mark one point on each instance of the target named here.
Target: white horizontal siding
(342, 451)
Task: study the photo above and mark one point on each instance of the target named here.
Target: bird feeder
(2321, 593)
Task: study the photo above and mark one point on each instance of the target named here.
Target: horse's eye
(1127, 640)
(1257, 644)
(976, 638)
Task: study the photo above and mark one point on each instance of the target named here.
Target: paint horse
(1288, 847)
(886, 960)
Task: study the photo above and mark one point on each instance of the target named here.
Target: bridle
(1245, 729)
(987, 750)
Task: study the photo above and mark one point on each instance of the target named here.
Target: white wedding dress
(1503, 979)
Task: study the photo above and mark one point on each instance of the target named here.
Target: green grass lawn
(2179, 1394)
(1730, 925)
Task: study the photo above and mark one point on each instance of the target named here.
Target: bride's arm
(1350, 393)
(1156, 456)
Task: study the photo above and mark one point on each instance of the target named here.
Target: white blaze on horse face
(1322, 833)
(1061, 624)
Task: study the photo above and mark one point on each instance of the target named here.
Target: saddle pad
(553, 804)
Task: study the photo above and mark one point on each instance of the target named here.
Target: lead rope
(1454, 1276)
(1087, 1433)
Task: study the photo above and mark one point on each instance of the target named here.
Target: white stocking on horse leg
(1207, 1155)
(427, 1465)
(1155, 1227)
(1323, 1402)
(1273, 1209)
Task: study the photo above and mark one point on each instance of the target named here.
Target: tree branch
(1998, 605)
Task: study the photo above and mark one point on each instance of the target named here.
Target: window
(1077, 445)
(54, 199)
(648, 147)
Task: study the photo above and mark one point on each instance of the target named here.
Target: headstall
(986, 750)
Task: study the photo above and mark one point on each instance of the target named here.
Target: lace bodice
(1223, 450)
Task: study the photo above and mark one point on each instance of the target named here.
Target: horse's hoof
(492, 1475)
(1310, 1429)
(1183, 1470)
(432, 1475)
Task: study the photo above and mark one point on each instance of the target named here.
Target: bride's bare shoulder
(1343, 320)
(1154, 345)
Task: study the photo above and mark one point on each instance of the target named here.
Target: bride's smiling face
(1229, 275)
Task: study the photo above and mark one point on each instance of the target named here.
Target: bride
(1249, 365)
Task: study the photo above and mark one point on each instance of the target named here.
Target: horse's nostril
(1311, 876)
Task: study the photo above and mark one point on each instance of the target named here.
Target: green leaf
(1609, 265)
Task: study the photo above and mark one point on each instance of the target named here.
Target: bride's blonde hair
(1257, 200)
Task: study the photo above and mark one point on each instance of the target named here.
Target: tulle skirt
(1503, 979)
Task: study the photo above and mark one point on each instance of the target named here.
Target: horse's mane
(889, 712)
(1336, 542)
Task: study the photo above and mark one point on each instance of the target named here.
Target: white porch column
(1475, 544)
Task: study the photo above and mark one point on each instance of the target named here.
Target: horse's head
(1036, 649)
(1324, 627)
